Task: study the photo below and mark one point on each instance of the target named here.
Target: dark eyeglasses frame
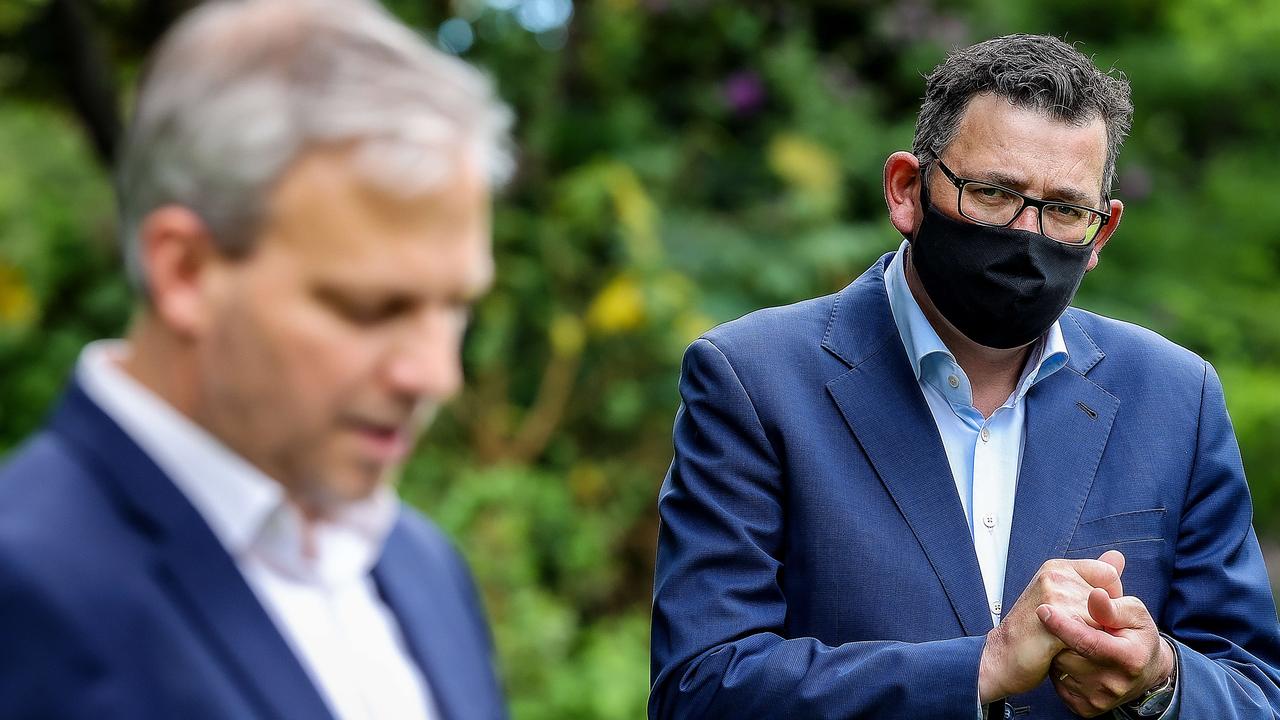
(1027, 201)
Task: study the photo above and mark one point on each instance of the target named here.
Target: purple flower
(743, 92)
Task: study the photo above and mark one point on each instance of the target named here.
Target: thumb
(1115, 559)
(1074, 633)
(1103, 610)
(1100, 574)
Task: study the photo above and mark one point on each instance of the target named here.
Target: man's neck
(993, 373)
(160, 363)
(168, 367)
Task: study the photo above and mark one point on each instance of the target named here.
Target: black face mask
(1001, 287)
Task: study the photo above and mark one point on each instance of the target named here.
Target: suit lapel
(881, 401)
(1068, 422)
(434, 627)
(192, 565)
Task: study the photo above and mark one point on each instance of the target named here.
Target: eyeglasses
(989, 204)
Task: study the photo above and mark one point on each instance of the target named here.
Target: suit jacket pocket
(1138, 530)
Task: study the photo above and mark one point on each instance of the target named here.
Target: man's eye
(1066, 212)
(990, 194)
(373, 313)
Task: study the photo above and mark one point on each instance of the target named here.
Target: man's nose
(427, 362)
(1028, 219)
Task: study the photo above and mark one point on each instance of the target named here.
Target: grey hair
(1031, 71)
(239, 89)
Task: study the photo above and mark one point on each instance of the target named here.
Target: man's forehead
(330, 220)
(1028, 146)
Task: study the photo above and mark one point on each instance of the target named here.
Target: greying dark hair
(1031, 71)
(240, 89)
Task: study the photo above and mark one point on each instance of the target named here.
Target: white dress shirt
(313, 579)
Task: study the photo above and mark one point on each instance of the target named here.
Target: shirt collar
(247, 510)
(926, 351)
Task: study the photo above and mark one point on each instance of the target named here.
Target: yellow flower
(805, 165)
(636, 211)
(567, 336)
(618, 307)
(17, 304)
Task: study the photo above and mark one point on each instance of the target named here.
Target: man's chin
(330, 495)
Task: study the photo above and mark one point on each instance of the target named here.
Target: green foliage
(59, 285)
(682, 164)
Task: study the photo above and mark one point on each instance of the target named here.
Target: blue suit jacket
(117, 601)
(814, 560)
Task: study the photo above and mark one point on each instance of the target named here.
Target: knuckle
(1099, 702)
(1088, 647)
(1115, 689)
(1080, 704)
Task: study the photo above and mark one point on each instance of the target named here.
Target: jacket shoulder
(425, 537)
(769, 331)
(48, 494)
(1133, 348)
(430, 547)
(68, 559)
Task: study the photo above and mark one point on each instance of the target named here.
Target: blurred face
(325, 352)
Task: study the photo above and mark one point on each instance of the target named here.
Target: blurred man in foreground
(206, 529)
(942, 493)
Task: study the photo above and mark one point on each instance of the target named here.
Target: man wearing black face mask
(942, 493)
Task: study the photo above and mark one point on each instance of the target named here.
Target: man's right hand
(1019, 650)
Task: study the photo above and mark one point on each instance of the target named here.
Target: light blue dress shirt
(984, 453)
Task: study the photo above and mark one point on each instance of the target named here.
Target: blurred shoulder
(426, 541)
(47, 495)
(65, 546)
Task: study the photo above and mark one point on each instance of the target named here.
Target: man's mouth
(387, 442)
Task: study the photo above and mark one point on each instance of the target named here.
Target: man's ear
(1117, 210)
(177, 252)
(902, 191)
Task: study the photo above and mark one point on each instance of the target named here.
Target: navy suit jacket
(117, 601)
(814, 560)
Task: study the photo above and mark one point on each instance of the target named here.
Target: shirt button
(986, 434)
(989, 520)
(995, 608)
(953, 381)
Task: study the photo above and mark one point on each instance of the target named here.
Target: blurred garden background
(681, 163)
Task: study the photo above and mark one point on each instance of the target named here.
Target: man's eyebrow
(1062, 194)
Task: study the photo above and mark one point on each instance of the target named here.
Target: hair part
(1031, 71)
(240, 89)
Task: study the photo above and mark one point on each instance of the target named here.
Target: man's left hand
(1102, 669)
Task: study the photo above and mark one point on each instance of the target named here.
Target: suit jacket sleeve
(1220, 608)
(720, 646)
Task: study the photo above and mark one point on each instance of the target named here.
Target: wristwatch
(1156, 700)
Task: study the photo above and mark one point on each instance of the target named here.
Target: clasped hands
(1074, 625)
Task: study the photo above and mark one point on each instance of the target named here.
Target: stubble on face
(336, 339)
